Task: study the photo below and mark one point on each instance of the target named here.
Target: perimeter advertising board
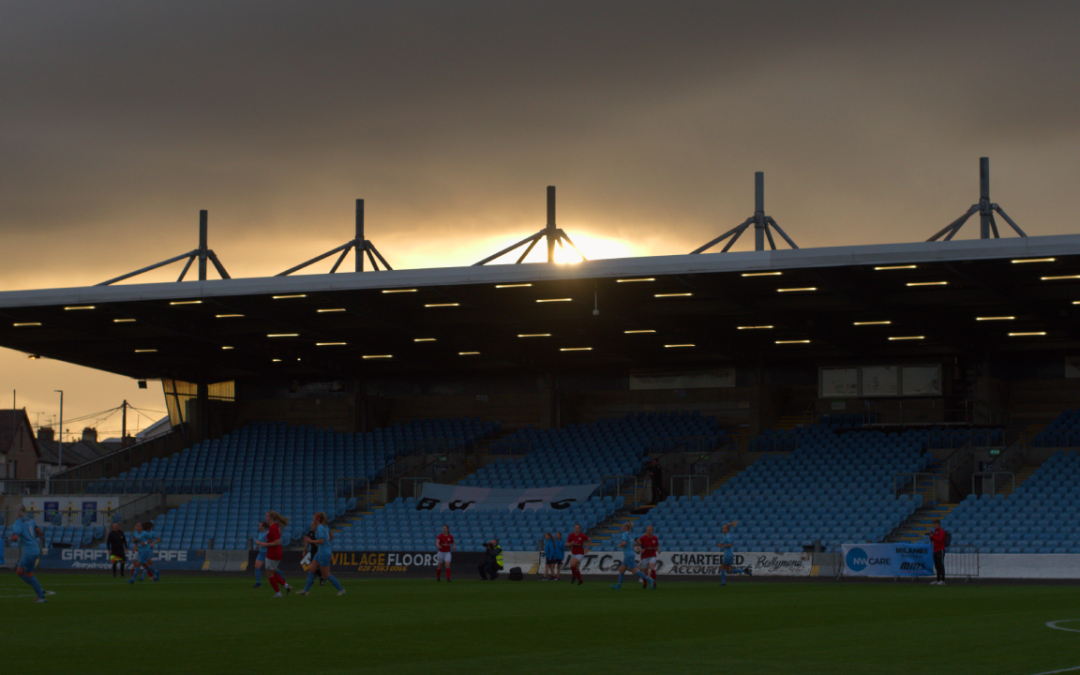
(888, 560)
(697, 563)
(98, 559)
(384, 563)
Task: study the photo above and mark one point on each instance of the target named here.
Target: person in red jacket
(937, 538)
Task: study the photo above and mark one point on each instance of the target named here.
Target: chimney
(46, 434)
(89, 435)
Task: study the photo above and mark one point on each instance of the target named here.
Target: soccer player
(273, 551)
(578, 541)
(560, 555)
(650, 546)
(136, 564)
(144, 546)
(25, 533)
(117, 549)
(727, 542)
(321, 561)
(152, 540)
(628, 563)
(444, 544)
(260, 557)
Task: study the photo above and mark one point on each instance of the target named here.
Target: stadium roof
(901, 301)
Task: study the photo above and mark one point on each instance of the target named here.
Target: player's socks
(274, 584)
(723, 578)
(652, 575)
(36, 585)
(334, 582)
(121, 569)
(153, 572)
(438, 574)
(258, 576)
(644, 577)
(310, 582)
(448, 574)
(621, 575)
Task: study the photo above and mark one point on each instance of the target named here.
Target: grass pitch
(193, 624)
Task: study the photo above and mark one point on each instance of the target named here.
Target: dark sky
(120, 120)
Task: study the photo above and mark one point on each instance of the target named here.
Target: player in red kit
(650, 546)
(577, 540)
(444, 544)
(273, 551)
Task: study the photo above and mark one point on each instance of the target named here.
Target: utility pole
(123, 426)
(60, 437)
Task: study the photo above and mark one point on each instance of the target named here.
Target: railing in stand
(689, 485)
(920, 483)
(620, 486)
(992, 482)
(1010, 459)
(355, 488)
(412, 487)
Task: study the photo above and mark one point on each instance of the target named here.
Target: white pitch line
(1055, 626)
(1063, 670)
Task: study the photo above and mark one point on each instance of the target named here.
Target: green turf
(221, 625)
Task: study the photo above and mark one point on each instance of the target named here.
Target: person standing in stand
(656, 477)
(939, 539)
(444, 545)
(117, 543)
(273, 552)
(577, 541)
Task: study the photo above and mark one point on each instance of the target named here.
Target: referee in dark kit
(117, 542)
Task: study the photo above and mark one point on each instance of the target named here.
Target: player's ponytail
(321, 517)
(275, 516)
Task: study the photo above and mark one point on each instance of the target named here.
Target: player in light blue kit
(25, 533)
(260, 559)
(323, 558)
(727, 542)
(144, 540)
(629, 562)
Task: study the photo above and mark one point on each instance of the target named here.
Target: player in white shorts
(444, 544)
(650, 546)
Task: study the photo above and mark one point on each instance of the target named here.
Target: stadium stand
(583, 453)
(1039, 517)
(67, 536)
(833, 488)
(290, 469)
(400, 527)
(1062, 432)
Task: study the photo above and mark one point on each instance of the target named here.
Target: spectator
(656, 476)
(560, 555)
(938, 539)
(549, 557)
(489, 569)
